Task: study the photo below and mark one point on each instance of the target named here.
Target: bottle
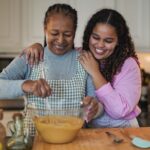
(2, 132)
(16, 141)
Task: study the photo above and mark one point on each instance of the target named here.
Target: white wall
(22, 20)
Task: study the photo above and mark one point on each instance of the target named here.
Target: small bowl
(58, 129)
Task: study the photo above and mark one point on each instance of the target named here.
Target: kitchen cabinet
(10, 25)
(137, 14)
(33, 18)
(22, 21)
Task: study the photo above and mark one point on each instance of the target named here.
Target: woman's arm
(121, 98)
(13, 81)
(96, 108)
(92, 67)
(12, 77)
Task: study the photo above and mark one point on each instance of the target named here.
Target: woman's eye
(95, 37)
(54, 34)
(108, 41)
(67, 35)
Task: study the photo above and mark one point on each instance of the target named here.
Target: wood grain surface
(97, 139)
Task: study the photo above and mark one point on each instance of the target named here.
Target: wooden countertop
(96, 139)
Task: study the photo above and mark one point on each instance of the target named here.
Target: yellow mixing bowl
(58, 129)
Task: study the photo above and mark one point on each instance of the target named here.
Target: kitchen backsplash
(144, 59)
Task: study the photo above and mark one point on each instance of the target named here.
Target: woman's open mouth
(100, 51)
(60, 47)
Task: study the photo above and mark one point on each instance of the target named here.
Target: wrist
(26, 86)
(98, 80)
(99, 111)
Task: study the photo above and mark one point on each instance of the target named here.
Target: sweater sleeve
(121, 98)
(12, 77)
(90, 90)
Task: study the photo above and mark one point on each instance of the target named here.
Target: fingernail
(85, 117)
(89, 107)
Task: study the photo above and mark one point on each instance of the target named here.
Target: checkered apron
(66, 95)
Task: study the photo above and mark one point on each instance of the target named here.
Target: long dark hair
(123, 50)
(64, 9)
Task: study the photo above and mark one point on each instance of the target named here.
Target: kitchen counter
(96, 139)
(93, 139)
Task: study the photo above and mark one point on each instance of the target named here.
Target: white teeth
(59, 47)
(99, 50)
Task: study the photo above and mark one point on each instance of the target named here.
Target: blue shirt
(57, 67)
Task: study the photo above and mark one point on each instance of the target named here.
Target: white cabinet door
(85, 10)
(10, 24)
(34, 10)
(137, 14)
(33, 14)
(22, 21)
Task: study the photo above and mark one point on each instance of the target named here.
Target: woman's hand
(92, 67)
(37, 87)
(89, 63)
(34, 53)
(92, 108)
(79, 49)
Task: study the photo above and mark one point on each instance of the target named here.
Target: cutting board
(96, 139)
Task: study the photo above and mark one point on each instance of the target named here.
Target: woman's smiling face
(59, 32)
(103, 41)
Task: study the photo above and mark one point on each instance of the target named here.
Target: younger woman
(110, 59)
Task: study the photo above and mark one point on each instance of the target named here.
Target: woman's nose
(100, 44)
(60, 39)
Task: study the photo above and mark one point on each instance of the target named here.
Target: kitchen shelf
(12, 104)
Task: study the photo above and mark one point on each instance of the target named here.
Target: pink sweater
(120, 99)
